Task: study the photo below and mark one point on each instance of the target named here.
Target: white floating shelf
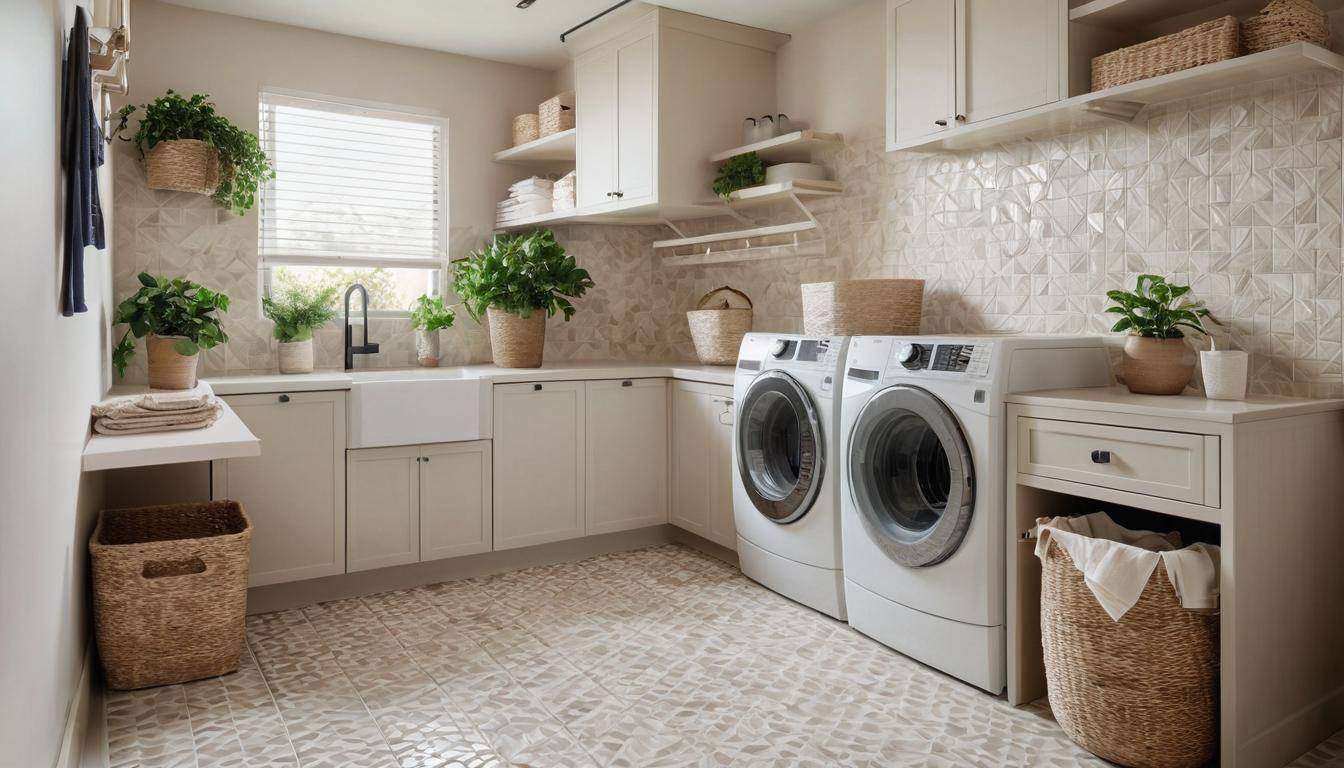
(754, 253)
(740, 234)
(1123, 101)
(227, 438)
(556, 148)
(771, 193)
(555, 217)
(789, 147)
(1127, 14)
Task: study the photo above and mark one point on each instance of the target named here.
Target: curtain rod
(590, 20)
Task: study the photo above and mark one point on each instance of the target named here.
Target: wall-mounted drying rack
(109, 51)
(792, 191)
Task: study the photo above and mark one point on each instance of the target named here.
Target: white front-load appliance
(786, 489)
(922, 424)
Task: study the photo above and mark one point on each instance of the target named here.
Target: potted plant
(180, 318)
(740, 172)
(428, 317)
(1157, 360)
(190, 148)
(296, 311)
(516, 282)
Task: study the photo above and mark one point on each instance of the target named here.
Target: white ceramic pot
(792, 171)
(1224, 374)
(427, 348)
(296, 356)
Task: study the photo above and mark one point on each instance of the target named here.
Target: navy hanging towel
(81, 156)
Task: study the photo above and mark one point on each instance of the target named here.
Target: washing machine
(786, 488)
(923, 503)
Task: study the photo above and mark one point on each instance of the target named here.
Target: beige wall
(830, 74)
(57, 367)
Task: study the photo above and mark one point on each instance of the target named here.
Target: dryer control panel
(886, 359)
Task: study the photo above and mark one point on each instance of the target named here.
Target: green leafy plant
(296, 311)
(170, 307)
(243, 167)
(1157, 309)
(740, 172)
(430, 314)
(520, 273)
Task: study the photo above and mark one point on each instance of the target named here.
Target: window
(358, 196)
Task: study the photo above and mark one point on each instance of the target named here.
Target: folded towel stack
(563, 193)
(527, 198)
(156, 412)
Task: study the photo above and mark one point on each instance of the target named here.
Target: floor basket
(1153, 674)
(183, 165)
(1283, 22)
(170, 592)
(1201, 44)
(863, 307)
(717, 331)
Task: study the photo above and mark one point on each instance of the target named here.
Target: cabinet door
(921, 68)
(722, 529)
(626, 466)
(595, 121)
(455, 499)
(692, 462)
(382, 507)
(635, 125)
(538, 488)
(294, 492)
(1009, 56)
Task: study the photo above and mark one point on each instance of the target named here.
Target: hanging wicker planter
(183, 165)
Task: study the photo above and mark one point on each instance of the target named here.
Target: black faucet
(350, 349)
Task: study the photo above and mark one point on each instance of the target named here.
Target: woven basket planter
(1283, 22)
(717, 332)
(1205, 43)
(296, 356)
(1142, 691)
(526, 128)
(168, 368)
(183, 165)
(516, 341)
(556, 114)
(170, 592)
(863, 307)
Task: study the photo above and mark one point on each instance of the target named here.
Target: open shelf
(753, 253)
(1124, 102)
(796, 146)
(554, 217)
(556, 148)
(1118, 14)
(227, 438)
(739, 234)
(772, 193)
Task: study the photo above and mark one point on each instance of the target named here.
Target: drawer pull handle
(536, 387)
(284, 398)
(1101, 457)
(627, 383)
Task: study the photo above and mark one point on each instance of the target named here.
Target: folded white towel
(155, 402)
(167, 423)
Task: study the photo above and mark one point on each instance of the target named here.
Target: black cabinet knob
(627, 383)
(283, 398)
(1101, 457)
(961, 118)
(942, 123)
(536, 387)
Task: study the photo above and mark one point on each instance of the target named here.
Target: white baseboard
(83, 742)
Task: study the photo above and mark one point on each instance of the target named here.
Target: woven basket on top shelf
(1201, 44)
(1283, 22)
(183, 165)
(863, 307)
(526, 128)
(717, 331)
(557, 113)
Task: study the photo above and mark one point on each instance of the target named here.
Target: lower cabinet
(702, 461)
(416, 503)
(626, 464)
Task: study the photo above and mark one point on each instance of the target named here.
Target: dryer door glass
(779, 450)
(910, 475)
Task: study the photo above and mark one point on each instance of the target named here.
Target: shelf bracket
(677, 230)
(1122, 111)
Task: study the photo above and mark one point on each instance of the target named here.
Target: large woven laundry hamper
(885, 307)
(1141, 691)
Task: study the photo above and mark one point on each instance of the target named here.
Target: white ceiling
(495, 29)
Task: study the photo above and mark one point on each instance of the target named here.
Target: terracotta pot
(296, 356)
(169, 369)
(515, 341)
(427, 348)
(1157, 366)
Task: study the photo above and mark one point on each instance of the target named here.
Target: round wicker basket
(717, 332)
(183, 165)
(168, 368)
(516, 341)
(863, 307)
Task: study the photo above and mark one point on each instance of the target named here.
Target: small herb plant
(298, 310)
(430, 314)
(520, 273)
(1157, 309)
(740, 172)
(170, 307)
(243, 167)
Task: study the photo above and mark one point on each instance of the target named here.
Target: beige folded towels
(156, 412)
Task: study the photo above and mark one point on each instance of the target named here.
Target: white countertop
(1121, 400)
(227, 438)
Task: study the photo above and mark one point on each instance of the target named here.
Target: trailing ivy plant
(430, 314)
(296, 311)
(170, 307)
(740, 172)
(243, 167)
(1157, 309)
(520, 273)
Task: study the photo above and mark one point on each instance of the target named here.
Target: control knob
(909, 356)
(778, 348)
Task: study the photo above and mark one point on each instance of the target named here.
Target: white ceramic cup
(1224, 374)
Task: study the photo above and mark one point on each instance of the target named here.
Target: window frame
(362, 107)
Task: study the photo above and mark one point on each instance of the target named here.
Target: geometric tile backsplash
(1237, 192)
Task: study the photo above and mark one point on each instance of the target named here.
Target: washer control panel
(759, 352)
(887, 359)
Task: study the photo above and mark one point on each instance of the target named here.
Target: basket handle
(166, 569)
(701, 304)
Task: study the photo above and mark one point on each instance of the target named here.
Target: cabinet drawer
(1172, 465)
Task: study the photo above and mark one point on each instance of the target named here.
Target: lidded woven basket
(1283, 22)
(183, 165)
(1215, 40)
(883, 307)
(717, 331)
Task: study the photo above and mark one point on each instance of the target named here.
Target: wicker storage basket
(183, 165)
(557, 113)
(717, 332)
(1201, 44)
(170, 591)
(516, 341)
(1152, 674)
(525, 128)
(863, 307)
(1283, 22)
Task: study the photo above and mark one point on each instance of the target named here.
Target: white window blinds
(353, 186)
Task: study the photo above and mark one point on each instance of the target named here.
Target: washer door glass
(779, 451)
(910, 475)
